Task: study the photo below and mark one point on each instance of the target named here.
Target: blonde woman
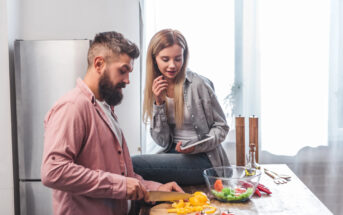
(180, 106)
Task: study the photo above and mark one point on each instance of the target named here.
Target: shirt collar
(189, 76)
(85, 90)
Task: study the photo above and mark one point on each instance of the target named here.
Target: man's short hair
(114, 42)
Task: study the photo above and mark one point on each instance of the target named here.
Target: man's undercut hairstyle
(114, 43)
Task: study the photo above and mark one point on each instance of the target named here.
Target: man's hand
(171, 186)
(186, 151)
(134, 189)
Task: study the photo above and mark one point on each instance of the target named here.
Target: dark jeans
(185, 169)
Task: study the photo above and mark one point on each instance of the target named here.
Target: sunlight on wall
(294, 59)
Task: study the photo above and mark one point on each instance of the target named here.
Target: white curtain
(291, 76)
(336, 75)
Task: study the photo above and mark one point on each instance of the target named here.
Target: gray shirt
(207, 118)
(114, 122)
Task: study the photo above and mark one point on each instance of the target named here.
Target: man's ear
(99, 63)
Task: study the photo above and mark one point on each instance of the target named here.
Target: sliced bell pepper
(257, 192)
(263, 188)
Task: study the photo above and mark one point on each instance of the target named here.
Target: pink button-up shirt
(83, 161)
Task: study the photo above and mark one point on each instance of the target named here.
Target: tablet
(190, 143)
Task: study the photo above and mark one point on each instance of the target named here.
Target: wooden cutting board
(162, 209)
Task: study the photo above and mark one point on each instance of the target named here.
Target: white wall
(6, 174)
(80, 19)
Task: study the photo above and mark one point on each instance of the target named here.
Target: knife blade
(156, 196)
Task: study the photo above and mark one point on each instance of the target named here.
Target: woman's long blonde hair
(163, 39)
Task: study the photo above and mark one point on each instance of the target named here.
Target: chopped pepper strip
(257, 192)
(263, 188)
(212, 210)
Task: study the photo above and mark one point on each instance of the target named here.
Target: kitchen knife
(155, 196)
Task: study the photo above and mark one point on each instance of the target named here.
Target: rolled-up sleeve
(159, 130)
(65, 131)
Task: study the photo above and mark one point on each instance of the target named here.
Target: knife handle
(271, 174)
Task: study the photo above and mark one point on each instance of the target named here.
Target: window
(294, 71)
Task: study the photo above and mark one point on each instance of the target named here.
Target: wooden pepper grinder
(240, 141)
(253, 134)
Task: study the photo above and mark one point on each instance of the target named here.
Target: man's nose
(127, 79)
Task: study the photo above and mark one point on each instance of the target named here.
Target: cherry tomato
(218, 185)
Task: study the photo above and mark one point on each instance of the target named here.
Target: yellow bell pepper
(196, 203)
(212, 210)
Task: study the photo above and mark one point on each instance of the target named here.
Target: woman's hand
(159, 86)
(186, 151)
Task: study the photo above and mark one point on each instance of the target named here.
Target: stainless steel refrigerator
(43, 72)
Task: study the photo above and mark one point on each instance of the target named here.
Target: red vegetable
(257, 192)
(263, 188)
(218, 185)
(246, 184)
(240, 190)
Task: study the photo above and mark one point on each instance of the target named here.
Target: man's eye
(122, 72)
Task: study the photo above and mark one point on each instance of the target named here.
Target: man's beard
(109, 92)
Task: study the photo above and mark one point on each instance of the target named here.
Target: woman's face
(169, 61)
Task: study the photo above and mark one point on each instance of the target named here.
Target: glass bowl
(232, 183)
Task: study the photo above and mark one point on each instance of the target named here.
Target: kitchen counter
(290, 198)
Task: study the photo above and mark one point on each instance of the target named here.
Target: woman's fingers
(178, 146)
(159, 81)
(185, 151)
(159, 85)
(159, 90)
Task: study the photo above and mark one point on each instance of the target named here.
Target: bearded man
(86, 160)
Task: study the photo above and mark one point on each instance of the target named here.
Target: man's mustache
(121, 85)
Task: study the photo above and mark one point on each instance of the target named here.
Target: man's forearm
(70, 177)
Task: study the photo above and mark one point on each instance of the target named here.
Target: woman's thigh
(181, 168)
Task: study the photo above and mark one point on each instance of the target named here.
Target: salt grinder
(240, 141)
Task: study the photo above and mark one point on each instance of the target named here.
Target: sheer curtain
(336, 75)
(293, 66)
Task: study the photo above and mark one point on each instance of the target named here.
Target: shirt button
(122, 173)
(119, 152)
(192, 116)
(196, 127)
